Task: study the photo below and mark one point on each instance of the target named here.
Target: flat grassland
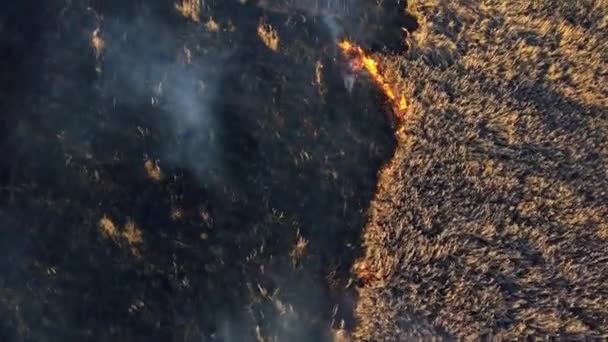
(492, 217)
(197, 171)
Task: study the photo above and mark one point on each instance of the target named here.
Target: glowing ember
(360, 60)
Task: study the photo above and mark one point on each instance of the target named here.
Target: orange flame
(359, 60)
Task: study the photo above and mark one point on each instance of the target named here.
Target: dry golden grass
(492, 216)
(190, 9)
(268, 35)
(177, 213)
(602, 231)
(108, 228)
(319, 73)
(186, 55)
(299, 250)
(133, 236)
(130, 234)
(211, 25)
(340, 335)
(153, 170)
(97, 43)
(318, 79)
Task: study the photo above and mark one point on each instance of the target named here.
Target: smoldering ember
(303, 170)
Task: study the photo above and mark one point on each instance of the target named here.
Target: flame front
(360, 60)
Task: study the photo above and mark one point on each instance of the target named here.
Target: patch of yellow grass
(190, 9)
(211, 25)
(319, 73)
(132, 234)
(97, 43)
(602, 231)
(268, 35)
(177, 213)
(340, 335)
(134, 237)
(153, 170)
(318, 79)
(299, 249)
(108, 228)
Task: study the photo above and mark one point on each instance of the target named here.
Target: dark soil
(255, 156)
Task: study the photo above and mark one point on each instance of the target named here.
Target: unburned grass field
(491, 218)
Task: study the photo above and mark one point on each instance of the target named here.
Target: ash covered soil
(174, 175)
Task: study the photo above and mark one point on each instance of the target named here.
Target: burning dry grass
(490, 218)
(360, 60)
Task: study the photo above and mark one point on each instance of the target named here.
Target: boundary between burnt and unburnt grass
(491, 218)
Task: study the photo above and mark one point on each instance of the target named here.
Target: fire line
(360, 60)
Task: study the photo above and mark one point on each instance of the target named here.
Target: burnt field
(223, 171)
(176, 173)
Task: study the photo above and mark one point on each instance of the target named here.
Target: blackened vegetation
(189, 184)
(377, 25)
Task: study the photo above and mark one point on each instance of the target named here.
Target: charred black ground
(247, 178)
